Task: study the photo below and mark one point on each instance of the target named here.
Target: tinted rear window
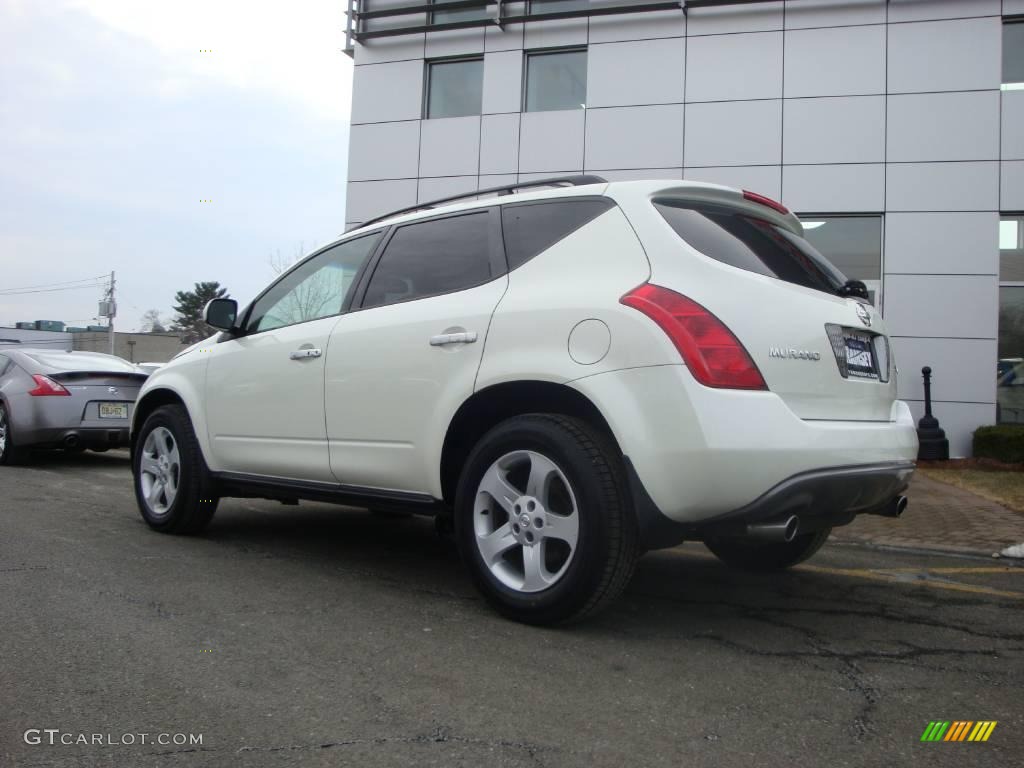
(534, 227)
(431, 258)
(747, 242)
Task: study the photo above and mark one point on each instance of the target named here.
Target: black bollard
(931, 438)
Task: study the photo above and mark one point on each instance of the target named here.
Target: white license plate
(860, 357)
(113, 410)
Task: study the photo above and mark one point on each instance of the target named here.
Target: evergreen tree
(189, 309)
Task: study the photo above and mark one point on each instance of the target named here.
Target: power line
(51, 290)
(51, 285)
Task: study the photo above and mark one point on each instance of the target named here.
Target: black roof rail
(508, 189)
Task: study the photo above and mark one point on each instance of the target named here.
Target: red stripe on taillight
(47, 387)
(711, 351)
(775, 205)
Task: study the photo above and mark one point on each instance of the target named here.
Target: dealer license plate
(860, 356)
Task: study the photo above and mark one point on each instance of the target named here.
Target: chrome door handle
(303, 354)
(465, 337)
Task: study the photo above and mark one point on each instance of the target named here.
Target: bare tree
(280, 264)
(151, 322)
(319, 294)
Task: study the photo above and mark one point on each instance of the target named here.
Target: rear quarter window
(756, 245)
(531, 228)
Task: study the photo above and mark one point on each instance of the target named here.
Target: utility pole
(108, 309)
(113, 311)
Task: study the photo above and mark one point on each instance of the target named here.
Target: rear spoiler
(752, 202)
(78, 375)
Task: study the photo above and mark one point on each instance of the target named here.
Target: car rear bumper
(823, 498)
(73, 437)
(702, 455)
(49, 422)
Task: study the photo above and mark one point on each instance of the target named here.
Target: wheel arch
(488, 407)
(160, 396)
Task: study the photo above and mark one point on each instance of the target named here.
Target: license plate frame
(113, 410)
(860, 355)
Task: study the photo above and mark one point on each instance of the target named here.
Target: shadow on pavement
(53, 459)
(682, 593)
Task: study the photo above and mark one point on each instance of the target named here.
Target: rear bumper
(66, 437)
(823, 498)
(48, 422)
(702, 456)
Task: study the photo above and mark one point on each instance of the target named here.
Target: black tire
(606, 548)
(10, 454)
(196, 498)
(751, 555)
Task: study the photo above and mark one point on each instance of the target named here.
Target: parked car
(148, 368)
(572, 375)
(69, 400)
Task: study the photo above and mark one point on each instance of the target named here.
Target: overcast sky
(114, 125)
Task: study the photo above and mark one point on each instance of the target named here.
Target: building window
(460, 14)
(541, 7)
(556, 80)
(852, 243)
(454, 88)
(1010, 365)
(1013, 56)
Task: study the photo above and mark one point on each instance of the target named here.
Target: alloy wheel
(3, 430)
(526, 521)
(160, 470)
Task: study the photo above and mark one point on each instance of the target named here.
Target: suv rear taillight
(713, 354)
(47, 387)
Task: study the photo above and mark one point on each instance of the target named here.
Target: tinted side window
(740, 240)
(4, 364)
(432, 257)
(534, 227)
(315, 289)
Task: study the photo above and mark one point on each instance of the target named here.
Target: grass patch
(1006, 488)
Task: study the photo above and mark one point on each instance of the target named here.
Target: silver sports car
(70, 400)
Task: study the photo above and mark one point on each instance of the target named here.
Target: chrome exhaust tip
(894, 508)
(782, 530)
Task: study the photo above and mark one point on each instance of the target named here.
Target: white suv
(572, 375)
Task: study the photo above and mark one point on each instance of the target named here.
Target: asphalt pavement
(318, 635)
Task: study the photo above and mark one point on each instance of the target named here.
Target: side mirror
(221, 313)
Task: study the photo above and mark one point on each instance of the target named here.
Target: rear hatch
(826, 355)
(104, 385)
(107, 399)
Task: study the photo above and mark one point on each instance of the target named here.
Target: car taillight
(775, 205)
(711, 351)
(47, 387)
